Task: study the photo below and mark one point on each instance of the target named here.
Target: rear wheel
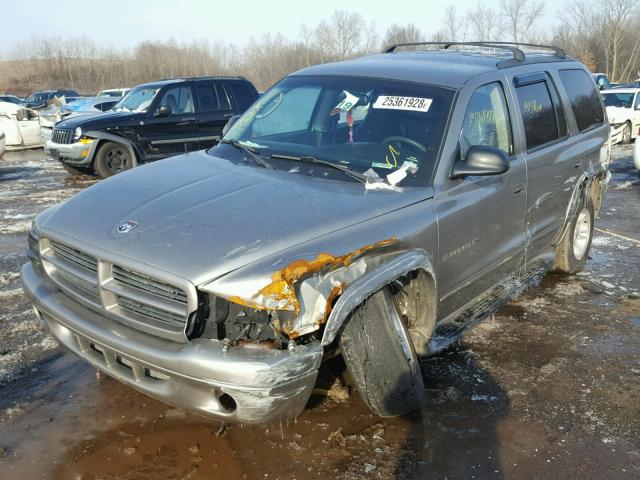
(112, 158)
(377, 349)
(573, 249)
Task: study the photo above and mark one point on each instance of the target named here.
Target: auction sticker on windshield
(415, 104)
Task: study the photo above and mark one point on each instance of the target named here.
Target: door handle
(228, 115)
(577, 165)
(518, 189)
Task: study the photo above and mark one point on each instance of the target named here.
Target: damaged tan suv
(378, 207)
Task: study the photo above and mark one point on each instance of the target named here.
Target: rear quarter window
(584, 99)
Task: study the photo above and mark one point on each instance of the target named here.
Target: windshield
(369, 125)
(138, 99)
(624, 100)
(39, 97)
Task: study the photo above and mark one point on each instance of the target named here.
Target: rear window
(538, 114)
(584, 98)
(244, 96)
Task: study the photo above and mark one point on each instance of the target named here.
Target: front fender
(103, 136)
(370, 283)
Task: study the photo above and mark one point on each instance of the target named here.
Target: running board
(455, 325)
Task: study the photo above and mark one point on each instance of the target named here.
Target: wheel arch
(103, 137)
(415, 261)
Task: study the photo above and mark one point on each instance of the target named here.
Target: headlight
(32, 238)
(77, 133)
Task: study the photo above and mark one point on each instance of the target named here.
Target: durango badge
(127, 226)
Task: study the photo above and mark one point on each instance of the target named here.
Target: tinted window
(244, 96)
(207, 97)
(538, 115)
(486, 121)
(584, 98)
(623, 100)
(178, 99)
(223, 98)
(637, 101)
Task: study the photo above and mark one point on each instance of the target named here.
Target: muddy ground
(547, 388)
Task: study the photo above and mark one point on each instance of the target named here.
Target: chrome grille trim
(148, 284)
(62, 136)
(141, 301)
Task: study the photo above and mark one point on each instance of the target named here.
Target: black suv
(153, 121)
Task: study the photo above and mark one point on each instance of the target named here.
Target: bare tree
(484, 23)
(453, 24)
(402, 34)
(520, 16)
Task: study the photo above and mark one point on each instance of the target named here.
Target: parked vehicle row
(152, 121)
(378, 207)
(39, 100)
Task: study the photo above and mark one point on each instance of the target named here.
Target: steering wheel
(405, 140)
(277, 100)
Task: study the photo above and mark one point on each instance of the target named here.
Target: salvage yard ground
(547, 388)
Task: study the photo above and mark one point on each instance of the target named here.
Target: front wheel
(626, 134)
(573, 249)
(112, 158)
(379, 354)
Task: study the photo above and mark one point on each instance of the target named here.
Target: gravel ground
(547, 388)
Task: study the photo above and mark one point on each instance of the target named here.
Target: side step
(453, 327)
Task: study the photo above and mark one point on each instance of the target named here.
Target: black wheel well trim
(362, 288)
(109, 137)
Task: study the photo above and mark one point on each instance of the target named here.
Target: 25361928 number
(393, 102)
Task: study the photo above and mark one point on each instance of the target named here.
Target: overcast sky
(120, 23)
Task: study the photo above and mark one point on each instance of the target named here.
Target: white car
(623, 110)
(113, 92)
(636, 155)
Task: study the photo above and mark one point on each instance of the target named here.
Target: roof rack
(518, 54)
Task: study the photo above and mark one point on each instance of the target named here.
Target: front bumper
(78, 153)
(242, 385)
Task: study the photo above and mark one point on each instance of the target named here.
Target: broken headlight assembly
(238, 324)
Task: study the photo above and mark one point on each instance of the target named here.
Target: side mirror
(481, 161)
(603, 86)
(163, 111)
(229, 124)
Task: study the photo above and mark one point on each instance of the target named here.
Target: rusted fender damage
(373, 281)
(305, 290)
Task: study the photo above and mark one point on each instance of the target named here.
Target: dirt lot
(548, 388)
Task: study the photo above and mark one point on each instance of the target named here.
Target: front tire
(379, 354)
(573, 249)
(112, 158)
(626, 134)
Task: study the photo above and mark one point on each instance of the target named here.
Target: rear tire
(379, 354)
(573, 249)
(112, 158)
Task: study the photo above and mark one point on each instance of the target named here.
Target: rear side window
(538, 114)
(244, 96)
(584, 98)
(223, 97)
(207, 97)
(486, 121)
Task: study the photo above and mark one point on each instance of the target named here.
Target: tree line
(603, 34)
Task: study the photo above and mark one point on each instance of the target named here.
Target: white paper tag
(400, 174)
(345, 105)
(413, 104)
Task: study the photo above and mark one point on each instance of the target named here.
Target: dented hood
(201, 216)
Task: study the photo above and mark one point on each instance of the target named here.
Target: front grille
(121, 293)
(76, 257)
(148, 284)
(62, 136)
(149, 311)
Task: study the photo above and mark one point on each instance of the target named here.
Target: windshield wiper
(257, 158)
(325, 163)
